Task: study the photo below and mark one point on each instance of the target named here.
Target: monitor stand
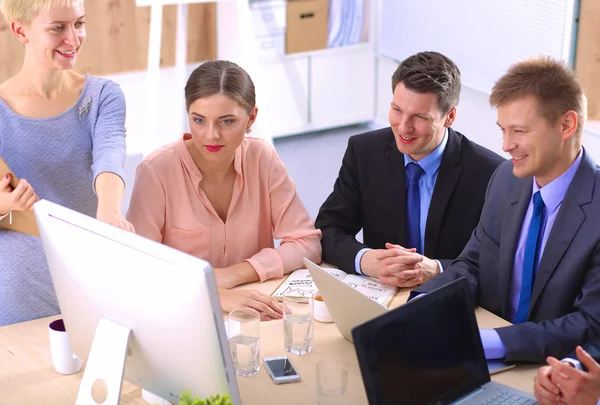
(153, 398)
(106, 363)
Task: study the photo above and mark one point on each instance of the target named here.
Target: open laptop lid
(427, 351)
(347, 306)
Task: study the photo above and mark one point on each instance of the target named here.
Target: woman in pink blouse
(223, 197)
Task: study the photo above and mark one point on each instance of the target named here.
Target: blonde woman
(63, 134)
(222, 196)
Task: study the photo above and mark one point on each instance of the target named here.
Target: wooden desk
(27, 374)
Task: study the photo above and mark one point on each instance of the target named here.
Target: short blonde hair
(552, 83)
(25, 11)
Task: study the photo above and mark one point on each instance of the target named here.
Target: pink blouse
(169, 206)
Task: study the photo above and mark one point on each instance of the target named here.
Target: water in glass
(298, 332)
(245, 351)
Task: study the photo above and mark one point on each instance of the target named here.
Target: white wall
(483, 37)
(171, 103)
(477, 120)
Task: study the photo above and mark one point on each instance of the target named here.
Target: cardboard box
(307, 23)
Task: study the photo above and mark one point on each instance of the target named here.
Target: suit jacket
(369, 193)
(565, 300)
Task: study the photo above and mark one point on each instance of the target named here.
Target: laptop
(429, 352)
(347, 307)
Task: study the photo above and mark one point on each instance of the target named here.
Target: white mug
(321, 312)
(65, 361)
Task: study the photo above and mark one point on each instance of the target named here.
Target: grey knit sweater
(60, 156)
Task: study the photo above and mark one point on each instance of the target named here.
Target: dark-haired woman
(222, 196)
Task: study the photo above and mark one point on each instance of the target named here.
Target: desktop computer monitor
(166, 298)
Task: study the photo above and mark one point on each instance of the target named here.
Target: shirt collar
(554, 192)
(191, 166)
(431, 163)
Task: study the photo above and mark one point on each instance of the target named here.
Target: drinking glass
(298, 320)
(244, 340)
(332, 381)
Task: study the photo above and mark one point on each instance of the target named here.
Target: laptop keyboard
(506, 397)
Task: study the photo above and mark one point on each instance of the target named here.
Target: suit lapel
(396, 195)
(512, 221)
(569, 219)
(448, 175)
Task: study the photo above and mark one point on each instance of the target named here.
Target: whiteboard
(483, 37)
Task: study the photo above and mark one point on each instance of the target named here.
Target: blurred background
(322, 68)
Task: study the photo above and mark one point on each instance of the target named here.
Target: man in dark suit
(534, 258)
(574, 381)
(416, 188)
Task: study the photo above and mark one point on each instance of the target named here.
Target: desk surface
(27, 374)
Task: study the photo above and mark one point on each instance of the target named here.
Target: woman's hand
(21, 198)
(114, 218)
(268, 307)
(109, 188)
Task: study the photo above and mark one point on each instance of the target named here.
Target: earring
(248, 130)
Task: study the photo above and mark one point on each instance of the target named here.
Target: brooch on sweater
(85, 107)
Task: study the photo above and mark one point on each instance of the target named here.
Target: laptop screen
(425, 352)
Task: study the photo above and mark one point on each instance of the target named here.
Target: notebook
(368, 286)
(18, 221)
(429, 351)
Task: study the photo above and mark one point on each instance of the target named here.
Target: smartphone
(281, 370)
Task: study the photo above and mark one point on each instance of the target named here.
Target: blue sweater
(61, 157)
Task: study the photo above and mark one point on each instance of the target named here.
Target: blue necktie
(413, 206)
(532, 250)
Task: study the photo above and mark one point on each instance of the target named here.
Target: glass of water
(298, 311)
(244, 340)
(332, 381)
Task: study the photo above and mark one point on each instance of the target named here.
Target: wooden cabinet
(587, 62)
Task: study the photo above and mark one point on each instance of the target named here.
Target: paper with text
(370, 287)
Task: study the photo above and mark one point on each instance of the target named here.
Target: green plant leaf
(187, 398)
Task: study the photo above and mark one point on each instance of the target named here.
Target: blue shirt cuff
(440, 266)
(359, 256)
(574, 362)
(492, 344)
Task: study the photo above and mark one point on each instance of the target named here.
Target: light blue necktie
(532, 250)
(413, 206)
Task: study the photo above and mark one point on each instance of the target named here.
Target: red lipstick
(214, 148)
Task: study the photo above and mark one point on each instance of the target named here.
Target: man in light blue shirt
(534, 258)
(552, 194)
(431, 166)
